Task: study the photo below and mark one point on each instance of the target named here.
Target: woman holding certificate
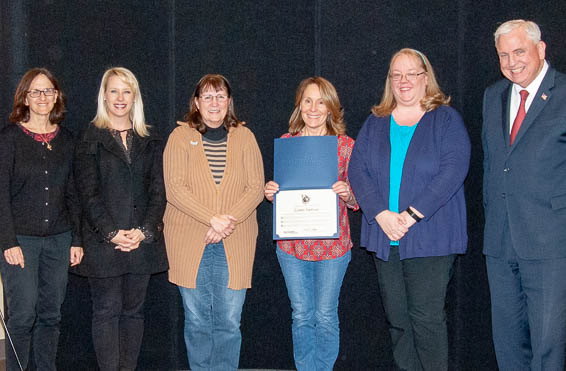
(407, 170)
(214, 177)
(314, 269)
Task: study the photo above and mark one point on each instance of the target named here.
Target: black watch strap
(413, 215)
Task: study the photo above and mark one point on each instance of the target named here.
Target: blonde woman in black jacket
(118, 170)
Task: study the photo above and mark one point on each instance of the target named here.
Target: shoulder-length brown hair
(335, 124)
(218, 83)
(20, 111)
(434, 97)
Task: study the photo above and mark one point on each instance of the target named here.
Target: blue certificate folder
(305, 163)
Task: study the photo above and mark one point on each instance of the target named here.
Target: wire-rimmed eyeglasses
(35, 93)
(410, 76)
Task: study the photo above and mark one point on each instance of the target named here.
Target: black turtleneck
(215, 134)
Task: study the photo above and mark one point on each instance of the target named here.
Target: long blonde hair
(102, 120)
(434, 97)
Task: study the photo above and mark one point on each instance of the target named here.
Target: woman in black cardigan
(39, 219)
(119, 175)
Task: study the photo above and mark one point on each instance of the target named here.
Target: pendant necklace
(44, 140)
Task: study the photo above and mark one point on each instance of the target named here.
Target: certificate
(305, 206)
(306, 214)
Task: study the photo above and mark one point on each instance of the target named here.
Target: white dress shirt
(516, 97)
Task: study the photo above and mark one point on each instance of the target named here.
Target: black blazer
(526, 182)
(117, 195)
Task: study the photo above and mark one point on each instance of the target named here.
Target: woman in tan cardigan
(214, 181)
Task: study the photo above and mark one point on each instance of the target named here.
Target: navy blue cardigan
(433, 182)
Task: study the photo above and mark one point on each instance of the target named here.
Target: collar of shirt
(532, 89)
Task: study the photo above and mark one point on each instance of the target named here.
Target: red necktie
(520, 116)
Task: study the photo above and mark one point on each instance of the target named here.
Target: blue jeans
(314, 289)
(34, 296)
(212, 315)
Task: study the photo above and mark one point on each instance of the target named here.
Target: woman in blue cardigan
(407, 172)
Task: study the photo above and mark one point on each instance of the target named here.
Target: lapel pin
(195, 143)
(544, 96)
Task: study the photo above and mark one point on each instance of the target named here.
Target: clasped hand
(128, 240)
(221, 226)
(393, 224)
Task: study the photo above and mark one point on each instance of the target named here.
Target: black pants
(117, 319)
(413, 293)
(34, 296)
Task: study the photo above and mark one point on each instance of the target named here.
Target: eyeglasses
(410, 76)
(209, 98)
(35, 93)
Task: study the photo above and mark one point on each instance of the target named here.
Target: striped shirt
(215, 152)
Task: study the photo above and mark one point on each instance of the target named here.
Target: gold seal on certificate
(309, 213)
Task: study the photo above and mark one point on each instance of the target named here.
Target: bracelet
(413, 215)
(148, 236)
(111, 236)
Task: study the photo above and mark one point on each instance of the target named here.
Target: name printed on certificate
(306, 213)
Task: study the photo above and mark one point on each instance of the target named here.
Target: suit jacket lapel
(543, 94)
(505, 102)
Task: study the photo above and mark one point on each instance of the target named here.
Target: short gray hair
(530, 27)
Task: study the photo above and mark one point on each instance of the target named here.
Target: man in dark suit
(524, 140)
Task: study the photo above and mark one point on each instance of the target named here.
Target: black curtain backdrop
(265, 48)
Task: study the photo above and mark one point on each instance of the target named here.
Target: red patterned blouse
(314, 250)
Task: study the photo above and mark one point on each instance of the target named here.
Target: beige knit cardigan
(193, 198)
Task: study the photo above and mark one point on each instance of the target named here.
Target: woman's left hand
(212, 237)
(76, 255)
(342, 189)
(223, 224)
(135, 234)
(409, 220)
